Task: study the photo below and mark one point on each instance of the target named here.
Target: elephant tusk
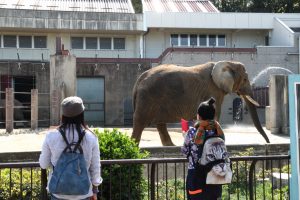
(251, 100)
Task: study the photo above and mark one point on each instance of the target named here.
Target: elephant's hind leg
(138, 127)
(164, 135)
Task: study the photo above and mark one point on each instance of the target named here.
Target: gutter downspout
(143, 44)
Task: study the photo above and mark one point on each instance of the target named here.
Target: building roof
(105, 6)
(179, 6)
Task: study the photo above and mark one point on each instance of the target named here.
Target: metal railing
(254, 177)
(22, 110)
(261, 95)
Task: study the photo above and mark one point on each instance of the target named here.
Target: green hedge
(121, 181)
(17, 184)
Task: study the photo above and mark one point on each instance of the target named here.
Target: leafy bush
(21, 184)
(172, 186)
(120, 181)
(263, 189)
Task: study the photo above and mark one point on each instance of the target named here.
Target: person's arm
(220, 131)
(95, 168)
(185, 149)
(45, 156)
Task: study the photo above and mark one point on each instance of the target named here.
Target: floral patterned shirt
(189, 148)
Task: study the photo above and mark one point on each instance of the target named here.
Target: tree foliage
(137, 5)
(259, 6)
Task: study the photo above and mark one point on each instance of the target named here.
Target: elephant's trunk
(252, 108)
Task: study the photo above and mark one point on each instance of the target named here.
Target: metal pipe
(152, 179)
(44, 184)
(251, 174)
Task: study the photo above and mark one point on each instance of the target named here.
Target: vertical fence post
(9, 109)
(34, 109)
(152, 179)
(44, 195)
(251, 174)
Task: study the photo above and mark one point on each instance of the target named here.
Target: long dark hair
(69, 122)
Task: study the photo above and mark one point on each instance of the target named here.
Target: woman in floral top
(195, 137)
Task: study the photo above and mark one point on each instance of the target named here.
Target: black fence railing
(254, 177)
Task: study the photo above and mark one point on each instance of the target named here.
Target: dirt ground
(24, 140)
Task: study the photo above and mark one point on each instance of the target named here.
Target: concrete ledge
(173, 151)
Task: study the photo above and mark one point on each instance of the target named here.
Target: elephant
(168, 93)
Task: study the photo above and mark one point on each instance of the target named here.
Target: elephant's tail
(135, 88)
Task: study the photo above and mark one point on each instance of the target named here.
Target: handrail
(153, 162)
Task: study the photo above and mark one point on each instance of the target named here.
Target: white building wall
(281, 35)
(155, 43)
(131, 50)
(158, 39)
(213, 20)
(248, 38)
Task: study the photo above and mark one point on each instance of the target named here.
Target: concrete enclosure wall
(119, 82)
(62, 83)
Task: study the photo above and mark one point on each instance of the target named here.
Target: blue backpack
(70, 175)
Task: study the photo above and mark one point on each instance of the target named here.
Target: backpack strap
(63, 134)
(77, 144)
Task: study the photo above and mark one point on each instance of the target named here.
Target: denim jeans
(54, 198)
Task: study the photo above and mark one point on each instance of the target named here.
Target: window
(77, 42)
(184, 40)
(174, 39)
(212, 40)
(193, 40)
(105, 43)
(25, 41)
(267, 41)
(91, 43)
(10, 40)
(40, 42)
(119, 43)
(221, 40)
(203, 40)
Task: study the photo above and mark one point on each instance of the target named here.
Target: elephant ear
(223, 76)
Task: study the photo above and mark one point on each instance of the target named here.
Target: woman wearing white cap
(73, 129)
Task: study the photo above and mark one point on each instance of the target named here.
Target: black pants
(198, 190)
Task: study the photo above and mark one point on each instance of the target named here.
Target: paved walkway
(20, 141)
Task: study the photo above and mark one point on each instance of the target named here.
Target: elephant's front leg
(164, 135)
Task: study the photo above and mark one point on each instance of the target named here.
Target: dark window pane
(221, 40)
(119, 43)
(105, 43)
(203, 40)
(10, 41)
(193, 40)
(212, 40)
(184, 40)
(174, 39)
(91, 43)
(40, 42)
(25, 41)
(77, 42)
